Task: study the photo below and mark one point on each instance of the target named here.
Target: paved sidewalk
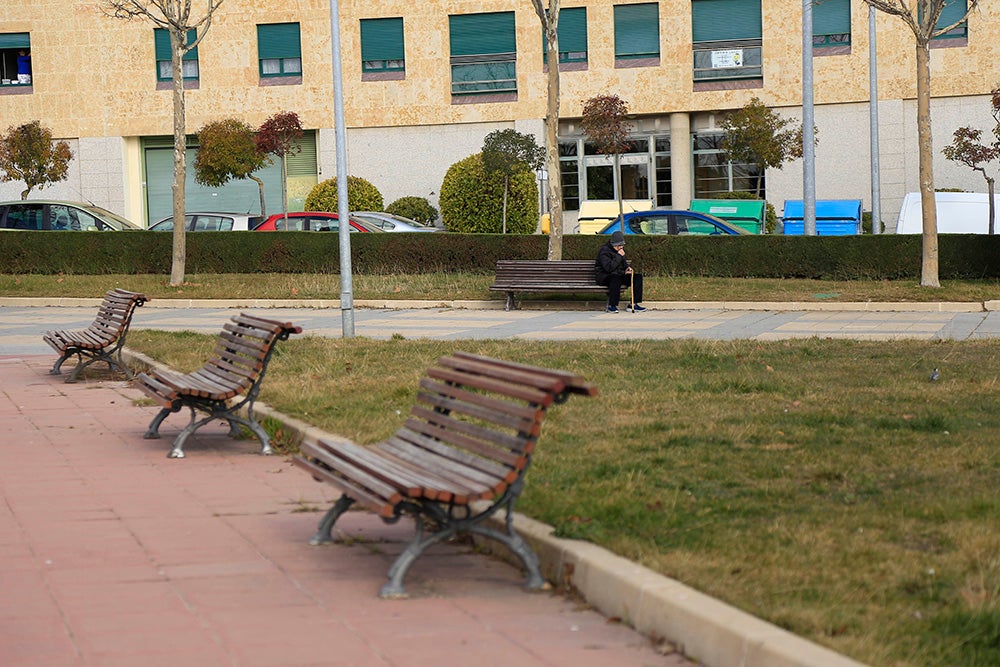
(113, 554)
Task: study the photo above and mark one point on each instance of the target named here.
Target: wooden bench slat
(462, 484)
(339, 465)
(482, 468)
(372, 502)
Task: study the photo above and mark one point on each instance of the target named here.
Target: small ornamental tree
(361, 196)
(967, 149)
(605, 124)
(414, 208)
(227, 149)
(508, 152)
(279, 136)
(756, 135)
(471, 199)
(27, 153)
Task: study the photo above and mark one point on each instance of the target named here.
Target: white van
(957, 213)
(595, 214)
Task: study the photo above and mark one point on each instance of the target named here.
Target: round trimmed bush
(414, 208)
(472, 200)
(361, 196)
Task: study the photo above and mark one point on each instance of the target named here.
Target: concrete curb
(460, 304)
(702, 628)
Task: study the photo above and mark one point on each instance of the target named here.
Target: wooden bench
(102, 340)
(469, 437)
(227, 382)
(543, 276)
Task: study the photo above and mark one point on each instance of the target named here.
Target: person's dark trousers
(615, 283)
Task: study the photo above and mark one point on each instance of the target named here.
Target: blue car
(673, 222)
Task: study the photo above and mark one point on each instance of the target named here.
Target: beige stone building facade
(424, 83)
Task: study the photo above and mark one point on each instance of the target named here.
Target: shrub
(770, 216)
(361, 196)
(472, 200)
(414, 208)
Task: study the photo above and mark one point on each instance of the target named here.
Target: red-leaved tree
(279, 135)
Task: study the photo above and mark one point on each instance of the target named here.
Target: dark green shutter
(161, 39)
(482, 34)
(831, 17)
(637, 31)
(720, 20)
(15, 40)
(573, 29)
(382, 39)
(278, 40)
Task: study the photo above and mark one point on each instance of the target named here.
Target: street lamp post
(873, 119)
(808, 125)
(343, 207)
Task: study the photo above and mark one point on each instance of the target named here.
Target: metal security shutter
(382, 39)
(161, 39)
(637, 31)
(278, 40)
(482, 34)
(572, 35)
(240, 196)
(720, 20)
(15, 40)
(303, 163)
(831, 17)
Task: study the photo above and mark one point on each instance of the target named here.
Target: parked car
(210, 222)
(311, 221)
(388, 222)
(45, 214)
(673, 222)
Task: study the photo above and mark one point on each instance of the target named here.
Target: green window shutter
(572, 35)
(278, 40)
(382, 39)
(637, 31)
(162, 41)
(831, 17)
(482, 34)
(952, 11)
(721, 20)
(303, 163)
(15, 40)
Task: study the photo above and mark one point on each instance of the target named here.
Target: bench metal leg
(324, 533)
(511, 304)
(57, 367)
(394, 587)
(513, 541)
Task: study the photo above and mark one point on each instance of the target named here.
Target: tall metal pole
(808, 125)
(873, 118)
(343, 210)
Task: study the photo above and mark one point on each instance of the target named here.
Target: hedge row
(768, 256)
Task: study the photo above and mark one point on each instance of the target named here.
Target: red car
(311, 221)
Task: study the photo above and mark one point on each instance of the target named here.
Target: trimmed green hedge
(885, 256)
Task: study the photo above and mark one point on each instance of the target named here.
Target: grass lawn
(824, 485)
(475, 286)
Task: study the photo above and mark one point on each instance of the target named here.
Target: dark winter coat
(608, 263)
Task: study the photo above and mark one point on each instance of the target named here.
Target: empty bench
(469, 437)
(229, 381)
(103, 340)
(545, 276)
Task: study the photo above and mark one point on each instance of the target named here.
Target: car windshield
(113, 219)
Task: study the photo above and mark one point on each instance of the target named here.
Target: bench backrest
(546, 271)
(115, 314)
(483, 413)
(243, 349)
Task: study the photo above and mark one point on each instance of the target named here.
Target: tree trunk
(260, 187)
(929, 264)
(506, 181)
(179, 257)
(284, 190)
(990, 187)
(552, 166)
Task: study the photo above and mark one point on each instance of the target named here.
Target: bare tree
(174, 16)
(922, 17)
(549, 18)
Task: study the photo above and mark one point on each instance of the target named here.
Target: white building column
(681, 181)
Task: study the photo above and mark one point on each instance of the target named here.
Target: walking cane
(631, 292)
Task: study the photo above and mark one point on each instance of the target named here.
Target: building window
(952, 11)
(715, 174)
(569, 173)
(279, 52)
(664, 186)
(831, 26)
(382, 54)
(637, 35)
(726, 36)
(572, 37)
(15, 60)
(483, 56)
(164, 57)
